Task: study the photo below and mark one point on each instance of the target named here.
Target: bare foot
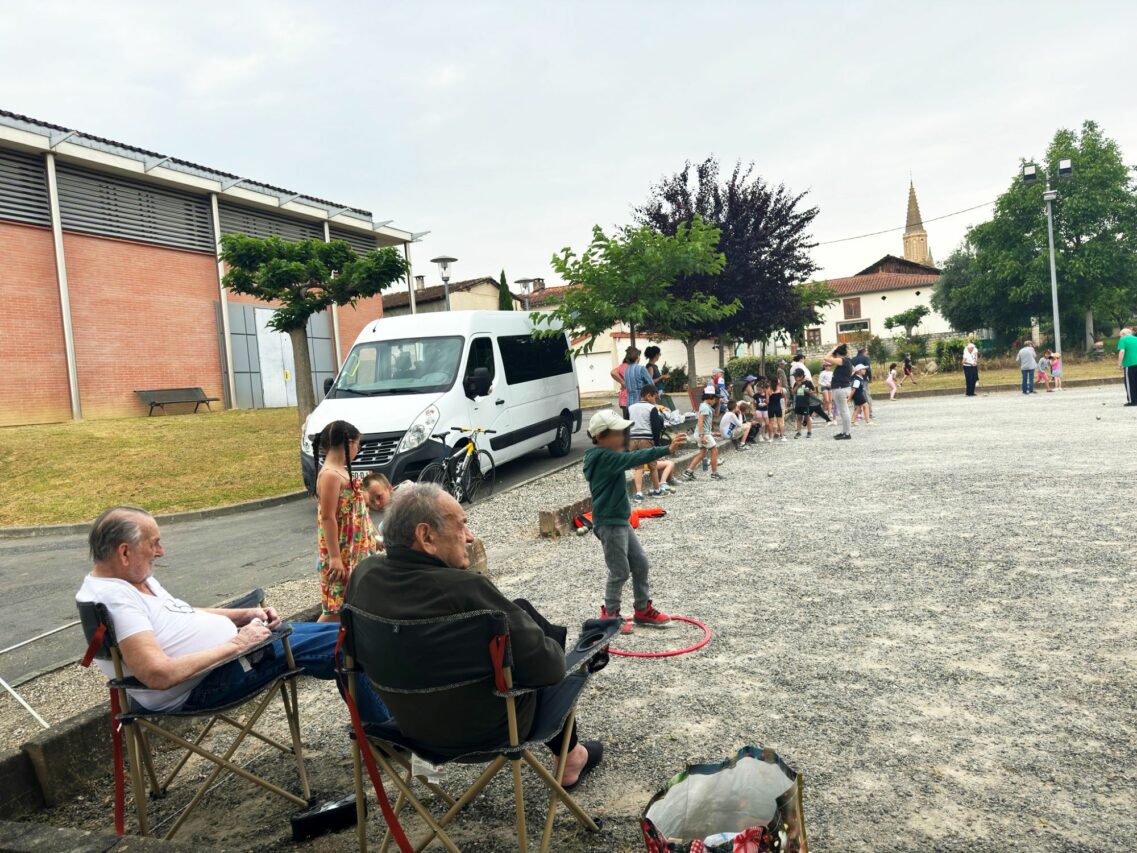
(577, 758)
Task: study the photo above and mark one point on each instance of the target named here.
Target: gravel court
(931, 622)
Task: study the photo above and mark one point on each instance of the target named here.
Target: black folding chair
(431, 655)
(134, 724)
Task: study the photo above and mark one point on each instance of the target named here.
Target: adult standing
(632, 377)
(658, 377)
(971, 367)
(799, 364)
(1127, 363)
(862, 358)
(1028, 364)
(841, 385)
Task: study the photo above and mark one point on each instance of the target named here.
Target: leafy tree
(504, 297)
(304, 278)
(907, 320)
(764, 235)
(1000, 277)
(628, 278)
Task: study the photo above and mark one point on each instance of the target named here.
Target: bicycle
(467, 472)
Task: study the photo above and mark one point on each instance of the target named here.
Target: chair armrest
(253, 598)
(595, 634)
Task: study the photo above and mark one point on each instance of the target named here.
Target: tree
(304, 278)
(764, 235)
(1000, 277)
(628, 278)
(504, 297)
(907, 320)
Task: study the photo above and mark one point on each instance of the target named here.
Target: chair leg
(519, 799)
(424, 813)
(400, 801)
(292, 712)
(263, 738)
(547, 835)
(360, 798)
(133, 748)
(581, 815)
(148, 764)
(182, 761)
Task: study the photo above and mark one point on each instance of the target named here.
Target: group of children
(1050, 370)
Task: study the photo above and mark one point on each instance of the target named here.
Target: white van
(412, 377)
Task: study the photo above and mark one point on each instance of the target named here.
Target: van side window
(527, 359)
(481, 355)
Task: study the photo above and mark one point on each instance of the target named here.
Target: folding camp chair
(429, 655)
(134, 724)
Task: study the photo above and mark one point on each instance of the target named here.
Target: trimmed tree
(907, 320)
(504, 297)
(301, 279)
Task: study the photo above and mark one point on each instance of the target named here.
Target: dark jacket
(408, 584)
(864, 359)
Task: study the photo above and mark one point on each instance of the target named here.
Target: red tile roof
(436, 293)
(549, 295)
(857, 284)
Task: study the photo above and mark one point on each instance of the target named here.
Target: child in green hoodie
(604, 467)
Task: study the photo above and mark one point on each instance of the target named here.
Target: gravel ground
(932, 622)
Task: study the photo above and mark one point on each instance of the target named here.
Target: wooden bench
(159, 397)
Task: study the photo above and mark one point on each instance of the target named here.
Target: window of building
(852, 331)
(813, 337)
(527, 359)
(852, 307)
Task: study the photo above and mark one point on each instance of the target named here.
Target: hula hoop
(672, 652)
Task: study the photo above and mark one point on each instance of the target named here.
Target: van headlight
(305, 440)
(421, 429)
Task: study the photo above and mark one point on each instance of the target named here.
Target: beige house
(475, 294)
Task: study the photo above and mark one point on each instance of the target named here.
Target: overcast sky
(508, 129)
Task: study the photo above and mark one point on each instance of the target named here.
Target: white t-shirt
(178, 628)
(970, 356)
(825, 378)
(729, 423)
(800, 365)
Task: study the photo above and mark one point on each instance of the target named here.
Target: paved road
(206, 561)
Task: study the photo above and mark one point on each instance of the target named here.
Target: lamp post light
(1030, 175)
(444, 270)
(525, 283)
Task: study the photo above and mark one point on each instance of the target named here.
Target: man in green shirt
(604, 467)
(1127, 361)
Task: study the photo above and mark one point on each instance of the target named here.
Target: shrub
(676, 380)
(815, 366)
(879, 350)
(949, 353)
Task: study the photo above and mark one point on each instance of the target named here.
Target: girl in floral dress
(346, 532)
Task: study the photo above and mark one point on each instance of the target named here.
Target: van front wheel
(562, 443)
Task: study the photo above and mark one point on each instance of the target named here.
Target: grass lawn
(1105, 368)
(62, 473)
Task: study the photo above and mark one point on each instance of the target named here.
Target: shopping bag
(751, 803)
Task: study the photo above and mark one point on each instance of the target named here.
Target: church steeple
(915, 237)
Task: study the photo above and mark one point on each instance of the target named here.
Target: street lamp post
(444, 270)
(525, 283)
(1030, 175)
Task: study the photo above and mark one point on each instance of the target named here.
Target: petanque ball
(1099, 417)
(769, 473)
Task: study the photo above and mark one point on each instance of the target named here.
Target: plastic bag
(751, 803)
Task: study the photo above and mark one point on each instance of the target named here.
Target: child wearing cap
(704, 427)
(604, 467)
(859, 399)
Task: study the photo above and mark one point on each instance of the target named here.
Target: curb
(170, 518)
(947, 392)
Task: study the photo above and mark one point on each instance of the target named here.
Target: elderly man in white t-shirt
(172, 647)
(971, 367)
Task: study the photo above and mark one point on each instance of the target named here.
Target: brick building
(110, 281)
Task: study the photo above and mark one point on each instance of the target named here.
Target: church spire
(915, 237)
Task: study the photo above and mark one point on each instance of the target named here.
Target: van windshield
(407, 366)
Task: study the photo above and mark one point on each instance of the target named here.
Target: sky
(507, 130)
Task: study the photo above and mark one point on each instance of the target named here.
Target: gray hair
(112, 528)
(411, 505)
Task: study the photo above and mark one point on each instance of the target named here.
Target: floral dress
(358, 540)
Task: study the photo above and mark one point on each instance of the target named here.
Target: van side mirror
(328, 383)
(481, 382)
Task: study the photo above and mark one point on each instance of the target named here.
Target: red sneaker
(651, 617)
(626, 628)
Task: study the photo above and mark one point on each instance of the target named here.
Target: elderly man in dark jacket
(422, 575)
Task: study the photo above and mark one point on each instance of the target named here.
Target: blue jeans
(313, 648)
(1028, 381)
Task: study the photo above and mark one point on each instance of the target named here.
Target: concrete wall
(34, 389)
(875, 307)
